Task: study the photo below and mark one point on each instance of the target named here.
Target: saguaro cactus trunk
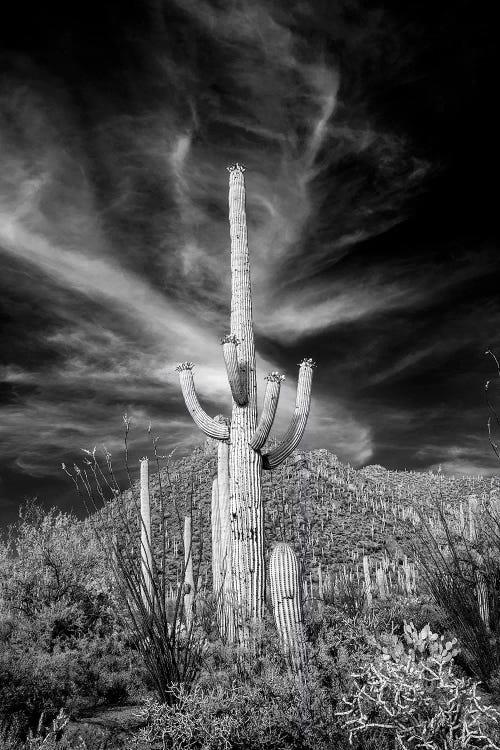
(216, 544)
(245, 463)
(221, 544)
(244, 435)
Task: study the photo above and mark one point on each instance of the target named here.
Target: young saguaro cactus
(189, 585)
(245, 434)
(146, 550)
(286, 591)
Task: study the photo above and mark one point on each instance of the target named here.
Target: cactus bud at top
(236, 168)
(184, 366)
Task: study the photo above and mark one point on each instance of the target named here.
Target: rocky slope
(331, 513)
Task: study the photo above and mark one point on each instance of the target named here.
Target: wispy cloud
(465, 459)
(115, 245)
(317, 305)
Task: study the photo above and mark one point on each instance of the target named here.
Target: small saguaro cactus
(321, 587)
(245, 435)
(146, 551)
(286, 598)
(189, 588)
(368, 581)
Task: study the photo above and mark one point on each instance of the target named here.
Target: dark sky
(370, 136)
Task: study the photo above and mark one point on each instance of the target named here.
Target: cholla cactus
(419, 703)
(286, 597)
(245, 434)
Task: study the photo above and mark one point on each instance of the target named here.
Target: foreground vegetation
(398, 673)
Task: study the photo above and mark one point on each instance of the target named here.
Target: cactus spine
(285, 580)
(146, 551)
(244, 435)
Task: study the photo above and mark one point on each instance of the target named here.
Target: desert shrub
(411, 695)
(9, 736)
(270, 712)
(450, 565)
(50, 557)
(170, 645)
(39, 673)
(421, 611)
(265, 706)
(351, 597)
(61, 642)
(225, 665)
(51, 737)
(339, 645)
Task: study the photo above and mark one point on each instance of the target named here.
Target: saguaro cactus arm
(274, 380)
(209, 426)
(299, 420)
(235, 374)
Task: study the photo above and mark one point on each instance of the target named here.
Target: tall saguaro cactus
(245, 435)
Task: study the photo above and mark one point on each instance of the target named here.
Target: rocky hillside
(331, 513)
